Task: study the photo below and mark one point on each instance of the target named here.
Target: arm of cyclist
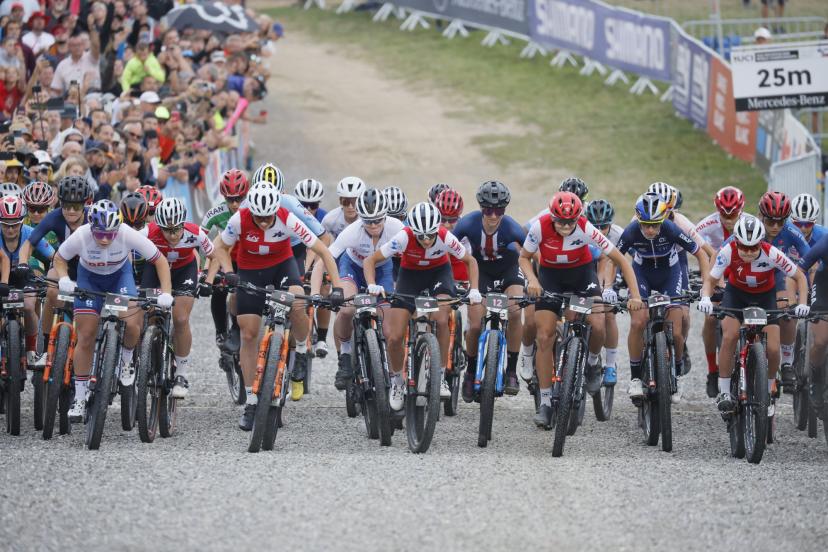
(634, 302)
(369, 271)
(221, 255)
(5, 271)
(321, 250)
(533, 287)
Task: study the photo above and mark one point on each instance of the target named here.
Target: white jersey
(686, 226)
(108, 259)
(355, 242)
(712, 231)
(614, 234)
(334, 222)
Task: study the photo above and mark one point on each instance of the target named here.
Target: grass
(616, 141)
(685, 10)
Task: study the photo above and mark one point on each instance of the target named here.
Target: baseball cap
(762, 32)
(218, 57)
(94, 145)
(150, 97)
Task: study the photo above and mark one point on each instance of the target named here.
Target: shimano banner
(619, 38)
(509, 15)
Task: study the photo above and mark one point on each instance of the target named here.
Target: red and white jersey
(416, 257)
(711, 229)
(265, 248)
(182, 253)
(756, 276)
(570, 251)
(686, 226)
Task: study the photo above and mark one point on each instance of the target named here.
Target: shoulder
(394, 225)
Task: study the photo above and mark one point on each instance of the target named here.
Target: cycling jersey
(659, 252)
(791, 242)
(818, 251)
(295, 206)
(42, 248)
(320, 214)
(53, 222)
(685, 225)
(816, 234)
(216, 217)
(416, 257)
(110, 258)
(334, 221)
(265, 248)
(570, 251)
(501, 245)
(355, 242)
(711, 229)
(193, 237)
(754, 277)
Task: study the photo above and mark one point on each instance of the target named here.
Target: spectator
(79, 65)
(11, 54)
(143, 64)
(762, 35)
(38, 39)
(780, 8)
(11, 90)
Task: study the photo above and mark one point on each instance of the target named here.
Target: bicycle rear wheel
(267, 384)
(39, 398)
(148, 382)
(54, 386)
(14, 376)
(664, 389)
(380, 386)
(487, 389)
(352, 399)
(602, 402)
(801, 404)
(107, 363)
(567, 394)
(454, 378)
(423, 407)
(368, 402)
(648, 416)
(756, 409)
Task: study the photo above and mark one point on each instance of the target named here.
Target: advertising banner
(691, 76)
(735, 134)
(510, 15)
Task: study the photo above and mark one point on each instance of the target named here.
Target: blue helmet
(651, 209)
(104, 216)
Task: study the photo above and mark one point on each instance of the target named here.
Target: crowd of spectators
(106, 89)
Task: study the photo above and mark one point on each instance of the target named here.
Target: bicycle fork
(482, 345)
(50, 351)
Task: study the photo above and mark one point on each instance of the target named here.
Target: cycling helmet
(729, 200)
(679, 200)
(39, 193)
(234, 183)
(804, 208)
(12, 209)
(104, 216)
(263, 200)
(435, 190)
(350, 186)
(10, 188)
(170, 213)
(371, 204)
(309, 191)
(600, 212)
(748, 230)
(651, 208)
(134, 208)
(424, 219)
(153, 196)
(271, 174)
(397, 201)
(775, 205)
(449, 203)
(565, 206)
(576, 186)
(493, 194)
(667, 193)
(74, 189)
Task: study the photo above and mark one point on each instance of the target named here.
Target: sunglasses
(803, 224)
(425, 237)
(12, 223)
(493, 211)
(173, 229)
(774, 221)
(450, 220)
(748, 248)
(566, 222)
(234, 199)
(72, 206)
(604, 226)
(101, 235)
(38, 209)
(311, 206)
(136, 135)
(347, 201)
(735, 213)
(257, 219)
(373, 222)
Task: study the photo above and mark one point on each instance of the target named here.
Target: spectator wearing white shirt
(78, 64)
(37, 38)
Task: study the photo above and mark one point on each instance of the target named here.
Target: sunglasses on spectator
(234, 199)
(347, 201)
(102, 235)
(494, 211)
(72, 206)
(311, 206)
(803, 224)
(748, 248)
(172, 229)
(774, 221)
(373, 222)
(38, 209)
(136, 135)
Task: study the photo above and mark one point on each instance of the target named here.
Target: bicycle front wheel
(267, 384)
(14, 376)
(380, 386)
(664, 388)
(53, 387)
(148, 382)
(756, 409)
(567, 394)
(107, 363)
(801, 404)
(422, 406)
(487, 389)
(167, 411)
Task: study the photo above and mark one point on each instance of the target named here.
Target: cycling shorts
(434, 281)
(121, 282)
(300, 253)
(735, 298)
(281, 276)
(685, 270)
(495, 277)
(820, 291)
(349, 270)
(184, 278)
(666, 280)
(581, 280)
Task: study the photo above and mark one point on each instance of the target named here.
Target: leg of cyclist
(396, 321)
(33, 359)
(546, 323)
(596, 343)
(442, 319)
(182, 341)
(513, 337)
(787, 329)
(299, 333)
(710, 338)
(49, 305)
(249, 332)
(635, 345)
(819, 347)
(676, 316)
(343, 330)
(727, 350)
(473, 329)
(610, 349)
(218, 309)
(323, 322)
(527, 343)
(133, 320)
(773, 351)
(86, 328)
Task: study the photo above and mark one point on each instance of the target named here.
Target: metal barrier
(797, 176)
(783, 28)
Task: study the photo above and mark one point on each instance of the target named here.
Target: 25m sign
(780, 76)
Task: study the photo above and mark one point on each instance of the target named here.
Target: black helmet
(679, 200)
(576, 186)
(600, 212)
(134, 208)
(493, 194)
(74, 189)
(435, 190)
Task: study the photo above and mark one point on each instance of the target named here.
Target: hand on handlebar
(802, 310)
(635, 303)
(609, 296)
(165, 300)
(376, 289)
(66, 285)
(474, 296)
(231, 279)
(534, 288)
(705, 305)
(336, 297)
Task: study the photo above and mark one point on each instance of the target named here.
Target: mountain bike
(229, 353)
(57, 377)
(456, 362)
(805, 417)
(37, 371)
(13, 366)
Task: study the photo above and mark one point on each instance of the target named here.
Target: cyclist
(310, 193)
(716, 228)
(153, 196)
(652, 241)
(348, 190)
(10, 188)
(134, 210)
(39, 198)
(178, 240)
(397, 202)
(750, 266)
(572, 184)
(561, 238)
(358, 241)
(424, 268)
(263, 230)
(103, 247)
(494, 239)
(435, 190)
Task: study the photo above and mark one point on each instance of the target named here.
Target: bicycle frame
(417, 324)
(751, 332)
(13, 310)
(61, 316)
(496, 318)
(365, 317)
(578, 328)
(276, 318)
(658, 305)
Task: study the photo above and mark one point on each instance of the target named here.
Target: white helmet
(668, 193)
(397, 201)
(749, 230)
(350, 186)
(170, 213)
(424, 219)
(10, 188)
(263, 200)
(271, 174)
(805, 208)
(372, 204)
(309, 191)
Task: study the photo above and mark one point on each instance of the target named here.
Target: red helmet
(234, 183)
(12, 209)
(775, 205)
(152, 195)
(729, 200)
(565, 205)
(449, 203)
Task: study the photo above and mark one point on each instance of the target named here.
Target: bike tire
(648, 411)
(352, 403)
(576, 421)
(274, 414)
(813, 424)
(487, 388)
(105, 370)
(367, 400)
(736, 423)
(14, 376)
(455, 378)
(801, 404)
(567, 394)
(229, 363)
(64, 404)
(148, 384)
(167, 404)
(266, 385)
(39, 399)
(602, 402)
(420, 420)
(128, 406)
(53, 388)
(381, 385)
(664, 389)
(534, 390)
(756, 412)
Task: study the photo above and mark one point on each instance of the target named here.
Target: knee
(395, 340)
(545, 337)
(181, 322)
(249, 332)
(638, 323)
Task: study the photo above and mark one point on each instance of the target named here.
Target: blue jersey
(320, 214)
(499, 246)
(659, 252)
(791, 242)
(42, 247)
(52, 222)
(294, 206)
(819, 249)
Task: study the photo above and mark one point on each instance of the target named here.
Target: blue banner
(691, 78)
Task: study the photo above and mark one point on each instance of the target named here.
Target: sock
(396, 377)
(321, 334)
(511, 362)
(679, 366)
(527, 350)
(252, 398)
(610, 357)
(181, 365)
(724, 385)
(546, 396)
(81, 387)
(126, 356)
(31, 342)
(345, 347)
(787, 354)
(302, 347)
(635, 369)
(593, 359)
(712, 365)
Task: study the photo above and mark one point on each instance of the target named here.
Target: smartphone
(151, 134)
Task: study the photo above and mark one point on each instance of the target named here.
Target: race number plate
(497, 302)
(14, 300)
(116, 303)
(364, 300)
(426, 304)
(65, 298)
(755, 316)
(581, 304)
(152, 293)
(658, 300)
(282, 297)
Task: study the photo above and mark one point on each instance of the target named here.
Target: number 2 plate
(581, 304)
(426, 304)
(14, 300)
(754, 316)
(116, 303)
(364, 300)
(497, 302)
